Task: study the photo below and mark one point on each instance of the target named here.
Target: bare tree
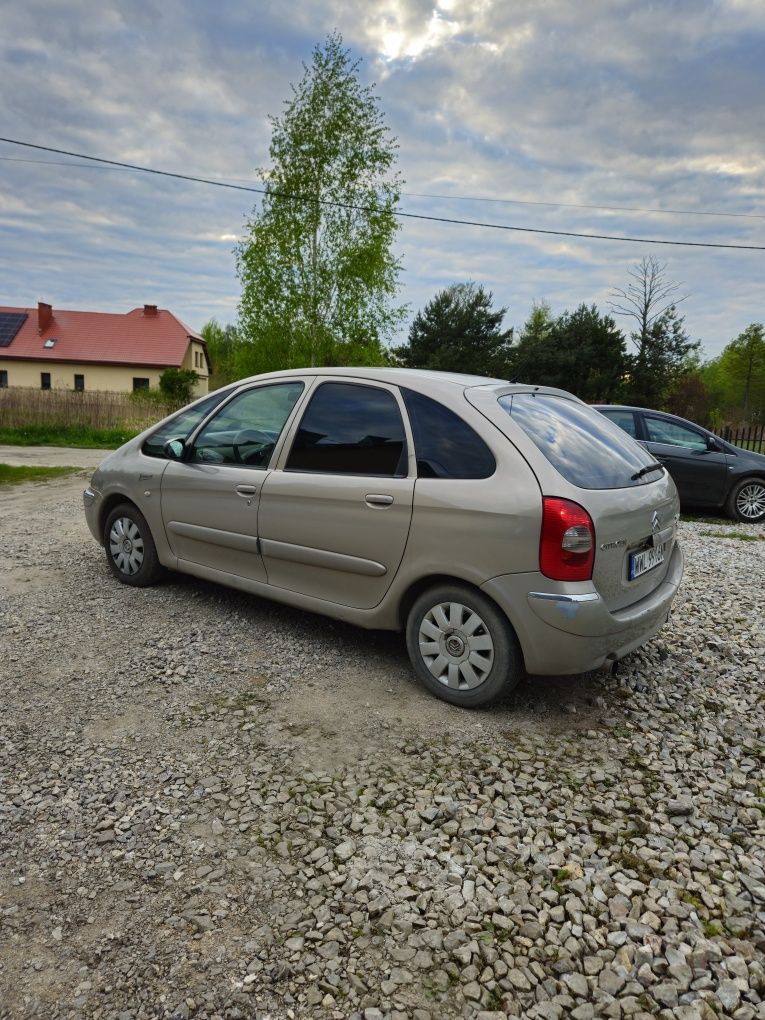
(650, 299)
(647, 297)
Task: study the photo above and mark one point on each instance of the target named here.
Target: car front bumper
(572, 630)
(91, 498)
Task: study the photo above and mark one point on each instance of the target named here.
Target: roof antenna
(514, 380)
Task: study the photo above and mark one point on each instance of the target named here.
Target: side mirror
(713, 445)
(174, 449)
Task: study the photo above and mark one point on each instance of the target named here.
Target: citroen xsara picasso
(504, 527)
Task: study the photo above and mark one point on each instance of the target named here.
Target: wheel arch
(108, 504)
(416, 589)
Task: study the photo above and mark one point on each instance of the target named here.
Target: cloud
(613, 104)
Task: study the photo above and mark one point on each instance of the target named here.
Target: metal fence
(751, 437)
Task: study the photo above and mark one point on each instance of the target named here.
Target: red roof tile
(135, 338)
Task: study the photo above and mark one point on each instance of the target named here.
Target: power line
(580, 205)
(449, 198)
(401, 215)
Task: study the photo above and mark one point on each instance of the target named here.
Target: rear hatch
(579, 455)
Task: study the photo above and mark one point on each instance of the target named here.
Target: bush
(177, 384)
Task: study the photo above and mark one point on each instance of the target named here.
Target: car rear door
(334, 515)
(210, 499)
(700, 473)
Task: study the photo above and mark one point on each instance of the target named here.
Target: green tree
(661, 343)
(744, 360)
(316, 266)
(177, 384)
(736, 379)
(222, 346)
(458, 331)
(581, 351)
(661, 360)
(539, 323)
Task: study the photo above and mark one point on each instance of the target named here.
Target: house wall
(196, 361)
(112, 378)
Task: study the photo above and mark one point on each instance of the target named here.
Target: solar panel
(10, 324)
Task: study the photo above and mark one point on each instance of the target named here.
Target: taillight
(567, 546)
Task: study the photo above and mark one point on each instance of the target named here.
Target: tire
(462, 646)
(130, 550)
(746, 501)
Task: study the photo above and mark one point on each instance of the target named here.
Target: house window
(140, 384)
(44, 380)
(79, 383)
(3, 379)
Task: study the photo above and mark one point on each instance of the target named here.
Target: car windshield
(581, 444)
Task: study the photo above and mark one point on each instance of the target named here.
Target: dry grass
(21, 408)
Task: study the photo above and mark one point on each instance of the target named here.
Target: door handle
(246, 490)
(377, 500)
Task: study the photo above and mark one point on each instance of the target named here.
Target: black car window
(349, 429)
(581, 444)
(660, 430)
(446, 446)
(624, 419)
(182, 425)
(246, 430)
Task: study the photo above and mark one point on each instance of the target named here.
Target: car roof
(391, 375)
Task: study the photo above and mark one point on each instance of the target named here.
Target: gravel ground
(214, 807)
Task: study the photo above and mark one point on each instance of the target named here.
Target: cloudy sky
(520, 112)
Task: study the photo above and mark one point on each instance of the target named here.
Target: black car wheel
(130, 550)
(746, 501)
(462, 647)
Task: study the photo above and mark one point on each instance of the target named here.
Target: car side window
(182, 425)
(446, 446)
(246, 430)
(624, 419)
(659, 430)
(350, 429)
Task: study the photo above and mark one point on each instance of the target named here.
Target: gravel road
(211, 806)
(51, 456)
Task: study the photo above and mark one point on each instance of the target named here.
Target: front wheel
(130, 550)
(462, 647)
(746, 501)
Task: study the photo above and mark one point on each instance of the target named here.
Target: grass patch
(741, 535)
(10, 475)
(84, 436)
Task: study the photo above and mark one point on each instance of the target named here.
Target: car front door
(700, 473)
(334, 515)
(210, 498)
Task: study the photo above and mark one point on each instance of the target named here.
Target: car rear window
(583, 446)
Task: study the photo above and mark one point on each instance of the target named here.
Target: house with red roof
(52, 349)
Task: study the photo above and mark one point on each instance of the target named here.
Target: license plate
(647, 559)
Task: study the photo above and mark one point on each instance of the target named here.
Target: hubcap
(456, 646)
(126, 545)
(750, 502)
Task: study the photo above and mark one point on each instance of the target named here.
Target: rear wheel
(130, 550)
(746, 501)
(462, 647)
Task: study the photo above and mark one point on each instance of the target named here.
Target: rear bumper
(570, 630)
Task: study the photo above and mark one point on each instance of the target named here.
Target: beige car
(506, 528)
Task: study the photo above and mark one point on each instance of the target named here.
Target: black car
(706, 470)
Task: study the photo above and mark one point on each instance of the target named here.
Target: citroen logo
(655, 521)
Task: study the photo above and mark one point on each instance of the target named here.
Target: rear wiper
(647, 470)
